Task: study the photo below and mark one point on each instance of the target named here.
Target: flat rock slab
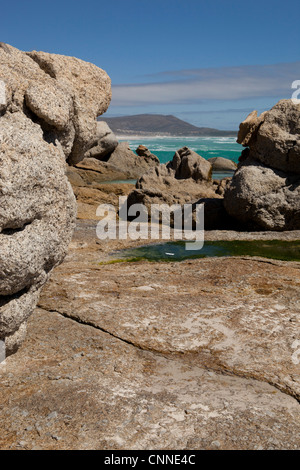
(72, 386)
(201, 354)
(239, 316)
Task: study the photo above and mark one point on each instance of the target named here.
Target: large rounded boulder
(264, 193)
(49, 106)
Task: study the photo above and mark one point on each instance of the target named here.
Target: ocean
(164, 147)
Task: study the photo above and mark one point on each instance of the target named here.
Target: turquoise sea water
(208, 147)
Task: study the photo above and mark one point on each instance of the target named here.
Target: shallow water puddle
(175, 251)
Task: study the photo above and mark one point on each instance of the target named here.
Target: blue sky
(207, 62)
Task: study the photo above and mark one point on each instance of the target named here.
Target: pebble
(216, 444)
(144, 288)
(52, 415)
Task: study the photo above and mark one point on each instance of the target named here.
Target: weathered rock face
(222, 164)
(104, 144)
(37, 211)
(63, 94)
(88, 175)
(185, 179)
(143, 151)
(47, 116)
(249, 128)
(110, 160)
(264, 198)
(125, 160)
(88, 179)
(265, 190)
(188, 164)
(201, 354)
(274, 137)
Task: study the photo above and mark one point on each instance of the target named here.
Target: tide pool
(175, 251)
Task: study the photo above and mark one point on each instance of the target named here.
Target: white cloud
(192, 86)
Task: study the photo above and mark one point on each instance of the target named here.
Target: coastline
(168, 136)
(155, 349)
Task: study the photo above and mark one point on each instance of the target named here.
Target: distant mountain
(158, 124)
